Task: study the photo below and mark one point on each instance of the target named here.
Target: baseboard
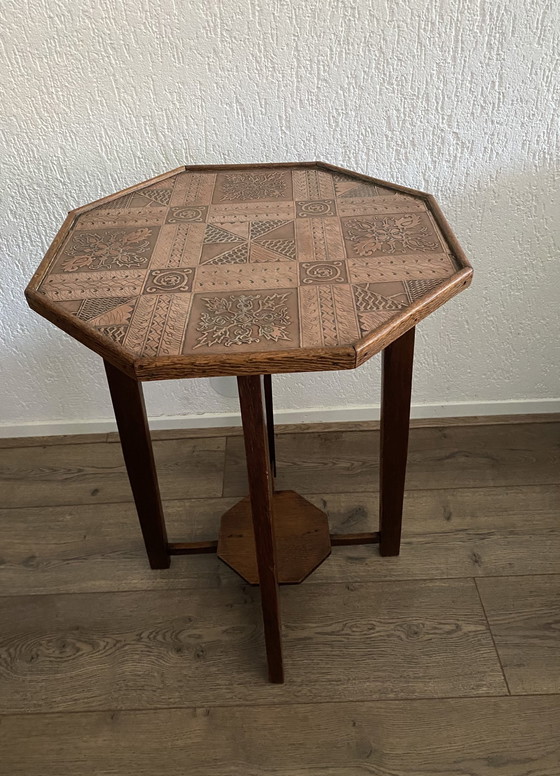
(310, 415)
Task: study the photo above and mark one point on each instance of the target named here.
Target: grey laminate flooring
(442, 662)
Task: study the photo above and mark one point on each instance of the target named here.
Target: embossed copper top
(204, 264)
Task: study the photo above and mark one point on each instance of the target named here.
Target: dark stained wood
(301, 531)
(396, 388)
(251, 402)
(192, 548)
(136, 444)
(524, 617)
(235, 364)
(353, 539)
(269, 406)
(161, 649)
(448, 737)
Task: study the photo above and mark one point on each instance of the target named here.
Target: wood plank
(95, 473)
(447, 533)
(354, 425)
(525, 454)
(283, 428)
(524, 615)
(468, 532)
(99, 547)
(457, 737)
(164, 648)
(55, 439)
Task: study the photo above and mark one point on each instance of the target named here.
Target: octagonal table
(250, 271)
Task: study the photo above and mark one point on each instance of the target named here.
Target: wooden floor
(442, 662)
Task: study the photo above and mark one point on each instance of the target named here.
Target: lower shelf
(302, 538)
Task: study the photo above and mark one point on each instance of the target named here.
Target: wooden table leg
(267, 380)
(136, 443)
(396, 387)
(260, 491)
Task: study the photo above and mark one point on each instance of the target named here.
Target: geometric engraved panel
(218, 262)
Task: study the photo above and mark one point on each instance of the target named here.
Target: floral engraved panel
(109, 249)
(223, 262)
(243, 320)
(247, 186)
(386, 235)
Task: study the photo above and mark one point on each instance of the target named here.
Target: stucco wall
(457, 97)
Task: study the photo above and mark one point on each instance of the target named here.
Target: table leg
(136, 443)
(396, 387)
(267, 380)
(260, 491)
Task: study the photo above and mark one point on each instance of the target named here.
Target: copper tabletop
(208, 268)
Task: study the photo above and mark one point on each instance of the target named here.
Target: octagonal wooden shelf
(302, 538)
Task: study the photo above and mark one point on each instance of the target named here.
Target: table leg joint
(344, 540)
(192, 548)
(211, 545)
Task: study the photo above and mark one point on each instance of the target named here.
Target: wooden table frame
(272, 537)
(255, 397)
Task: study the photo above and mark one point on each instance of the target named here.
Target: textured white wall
(457, 97)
